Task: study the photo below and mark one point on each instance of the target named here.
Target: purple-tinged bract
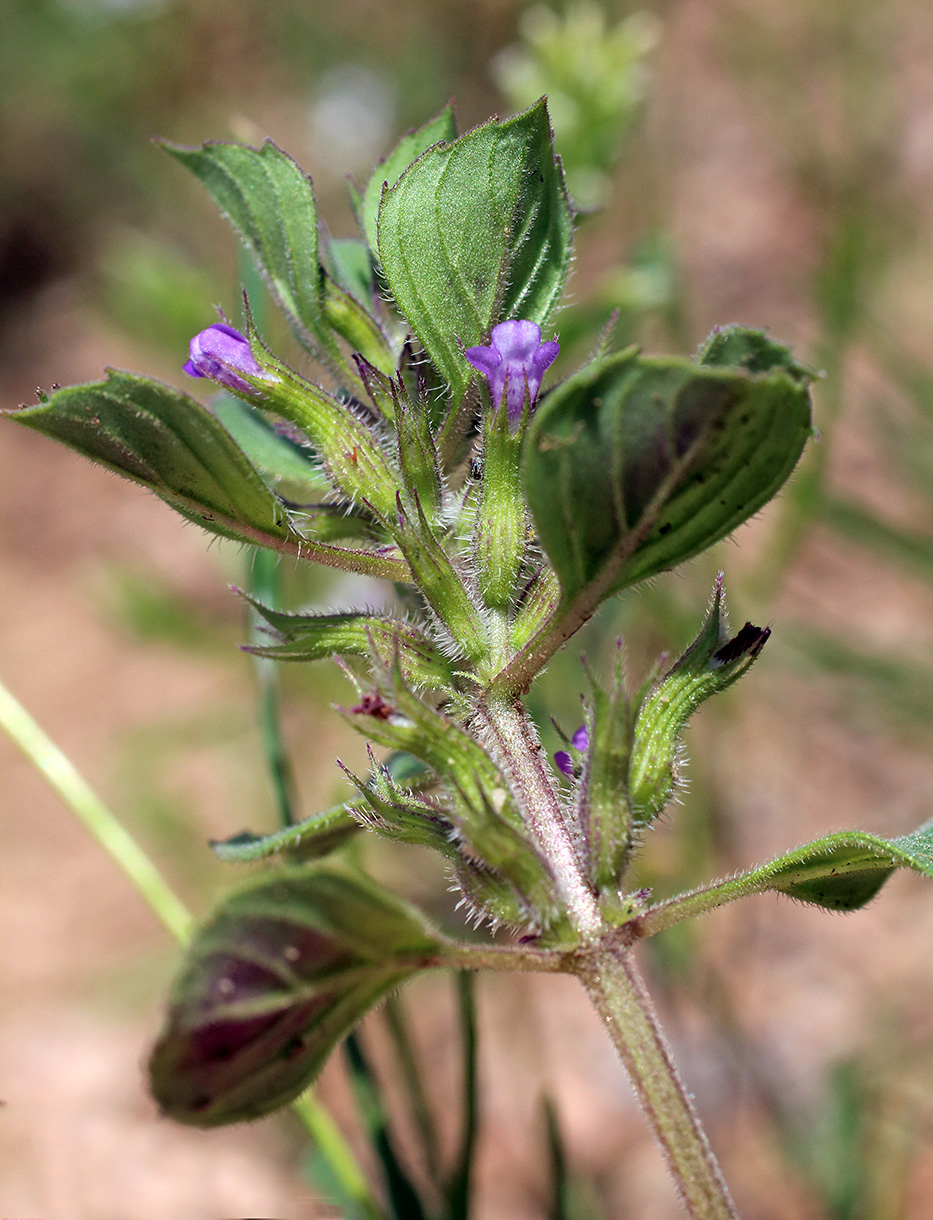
(222, 353)
(514, 363)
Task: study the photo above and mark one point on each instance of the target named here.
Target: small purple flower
(514, 363)
(221, 353)
(580, 740)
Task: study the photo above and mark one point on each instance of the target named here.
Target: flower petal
(581, 738)
(564, 762)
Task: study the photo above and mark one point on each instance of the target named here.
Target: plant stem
(459, 1191)
(60, 774)
(265, 585)
(620, 998)
(86, 805)
(513, 740)
(414, 1085)
(607, 969)
(326, 1135)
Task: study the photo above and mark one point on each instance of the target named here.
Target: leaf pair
(466, 231)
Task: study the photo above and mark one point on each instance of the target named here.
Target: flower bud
(223, 354)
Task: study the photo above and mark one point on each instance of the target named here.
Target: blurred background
(768, 162)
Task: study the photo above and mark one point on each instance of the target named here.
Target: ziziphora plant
(504, 515)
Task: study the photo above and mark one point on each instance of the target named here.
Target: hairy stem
(619, 996)
(607, 969)
(514, 744)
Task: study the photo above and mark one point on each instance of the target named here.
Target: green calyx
(711, 664)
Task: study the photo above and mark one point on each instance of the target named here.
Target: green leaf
(169, 443)
(360, 329)
(711, 664)
(840, 872)
(754, 351)
(417, 455)
(270, 202)
(603, 804)
(440, 583)
(634, 465)
(161, 438)
(314, 637)
(306, 840)
(351, 267)
(443, 127)
(843, 871)
(474, 231)
(539, 601)
(279, 974)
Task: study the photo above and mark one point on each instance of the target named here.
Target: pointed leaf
(168, 442)
(418, 455)
(280, 973)
(314, 637)
(306, 840)
(360, 329)
(442, 128)
(840, 872)
(603, 805)
(474, 231)
(539, 601)
(269, 200)
(635, 465)
(711, 664)
(441, 584)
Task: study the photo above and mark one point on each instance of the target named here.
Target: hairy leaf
(305, 840)
(283, 970)
(443, 127)
(170, 444)
(477, 230)
(634, 465)
(840, 872)
(313, 637)
(270, 202)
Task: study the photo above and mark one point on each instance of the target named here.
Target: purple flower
(514, 364)
(580, 740)
(222, 353)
